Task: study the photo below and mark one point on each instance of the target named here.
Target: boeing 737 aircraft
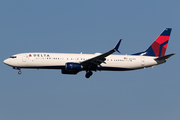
(73, 63)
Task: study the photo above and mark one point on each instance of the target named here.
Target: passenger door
(24, 58)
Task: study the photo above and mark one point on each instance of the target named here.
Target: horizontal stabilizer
(164, 57)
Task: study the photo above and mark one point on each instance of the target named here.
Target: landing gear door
(24, 58)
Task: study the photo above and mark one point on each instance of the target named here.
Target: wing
(95, 61)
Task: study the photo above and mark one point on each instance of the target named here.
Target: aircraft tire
(88, 74)
(19, 72)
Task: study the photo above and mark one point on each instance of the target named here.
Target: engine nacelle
(73, 66)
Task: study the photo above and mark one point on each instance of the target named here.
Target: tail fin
(158, 47)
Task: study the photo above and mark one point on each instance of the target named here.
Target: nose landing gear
(88, 74)
(19, 72)
(17, 68)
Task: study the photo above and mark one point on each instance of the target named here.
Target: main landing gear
(88, 74)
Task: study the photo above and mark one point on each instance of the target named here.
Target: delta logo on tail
(159, 46)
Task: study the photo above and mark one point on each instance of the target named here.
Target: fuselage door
(24, 58)
(143, 61)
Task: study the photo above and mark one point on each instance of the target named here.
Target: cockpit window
(13, 57)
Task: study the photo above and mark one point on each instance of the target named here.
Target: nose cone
(6, 61)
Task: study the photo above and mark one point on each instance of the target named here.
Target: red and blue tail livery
(159, 46)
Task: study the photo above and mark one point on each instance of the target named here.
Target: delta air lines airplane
(70, 63)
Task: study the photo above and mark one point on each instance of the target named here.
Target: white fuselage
(70, 63)
(58, 61)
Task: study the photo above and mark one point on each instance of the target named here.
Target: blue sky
(89, 27)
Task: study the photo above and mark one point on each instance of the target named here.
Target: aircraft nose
(6, 61)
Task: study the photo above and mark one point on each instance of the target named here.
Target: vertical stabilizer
(159, 46)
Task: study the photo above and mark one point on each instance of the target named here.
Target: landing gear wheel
(19, 72)
(88, 74)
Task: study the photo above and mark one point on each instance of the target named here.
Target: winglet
(117, 46)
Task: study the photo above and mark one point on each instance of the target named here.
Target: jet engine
(73, 66)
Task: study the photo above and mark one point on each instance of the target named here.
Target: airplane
(71, 63)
